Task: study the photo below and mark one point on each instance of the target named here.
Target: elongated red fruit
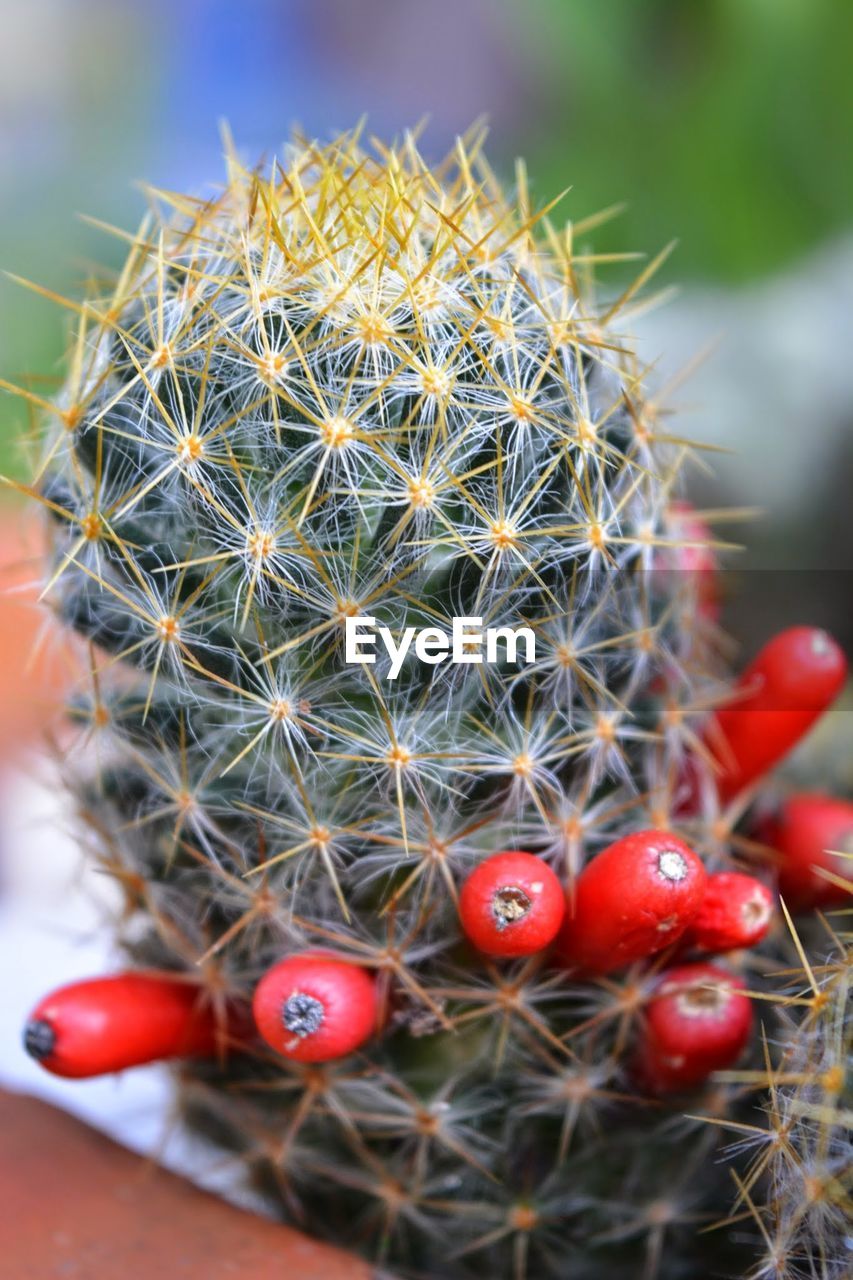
(791, 682)
(633, 899)
(315, 1007)
(699, 1021)
(512, 904)
(736, 911)
(101, 1025)
(809, 833)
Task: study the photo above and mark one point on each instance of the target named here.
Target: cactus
(353, 386)
(801, 1152)
(811, 1103)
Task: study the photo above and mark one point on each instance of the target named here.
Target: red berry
(108, 1024)
(791, 682)
(808, 834)
(697, 558)
(315, 1006)
(512, 904)
(736, 911)
(697, 1022)
(633, 899)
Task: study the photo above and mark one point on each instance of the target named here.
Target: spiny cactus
(798, 1181)
(354, 386)
(811, 1103)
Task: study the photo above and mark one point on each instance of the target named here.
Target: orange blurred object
(37, 665)
(74, 1204)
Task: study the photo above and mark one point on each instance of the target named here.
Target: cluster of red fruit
(646, 895)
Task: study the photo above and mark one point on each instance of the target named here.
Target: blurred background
(724, 123)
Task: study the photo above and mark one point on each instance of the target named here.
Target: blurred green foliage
(726, 123)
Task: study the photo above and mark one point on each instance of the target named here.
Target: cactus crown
(353, 385)
(359, 387)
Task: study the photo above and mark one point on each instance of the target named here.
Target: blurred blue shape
(266, 64)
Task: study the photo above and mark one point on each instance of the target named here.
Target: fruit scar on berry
(697, 1022)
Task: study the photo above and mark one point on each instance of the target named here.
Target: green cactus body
(354, 386)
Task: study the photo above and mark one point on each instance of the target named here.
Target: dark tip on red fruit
(96, 1026)
(39, 1039)
(316, 1006)
(302, 1014)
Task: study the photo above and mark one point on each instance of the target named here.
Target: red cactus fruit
(635, 898)
(791, 682)
(695, 557)
(697, 1022)
(512, 904)
(809, 833)
(101, 1025)
(736, 911)
(315, 1007)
